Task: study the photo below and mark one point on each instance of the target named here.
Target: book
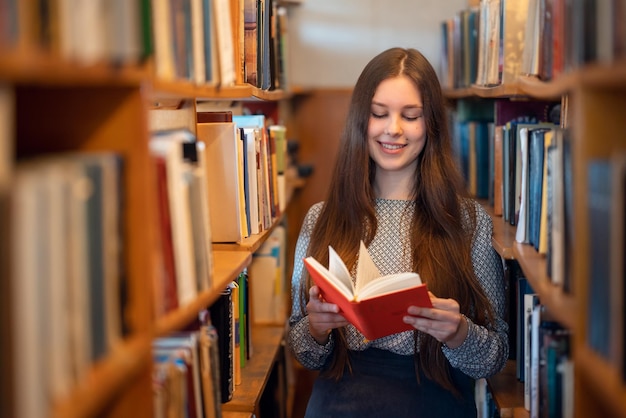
(618, 264)
(374, 304)
(598, 205)
(183, 347)
(270, 292)
(209, 366)
(169, 145)
(166, 298)
(223, 177)
(222, 318)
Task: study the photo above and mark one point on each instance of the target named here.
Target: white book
(204, 208)
(197, 42)
(225, 43)
(56, 181)
(520, 232)
(493, 22)
(29, 290)
(535, 320)
(530, 301)
(252, 192)
(168, 144)
(530, 55)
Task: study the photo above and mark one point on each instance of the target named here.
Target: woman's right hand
(323, 316)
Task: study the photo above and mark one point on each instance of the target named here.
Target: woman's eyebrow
(410, 106)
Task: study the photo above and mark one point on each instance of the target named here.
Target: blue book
(536, 152)
(599, 229)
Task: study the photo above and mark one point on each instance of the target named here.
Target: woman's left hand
(443, 321)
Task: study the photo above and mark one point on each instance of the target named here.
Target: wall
(330, 41)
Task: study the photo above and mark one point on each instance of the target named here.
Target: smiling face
(396, 132)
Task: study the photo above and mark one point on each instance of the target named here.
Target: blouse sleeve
(485, 350)
(306, 350)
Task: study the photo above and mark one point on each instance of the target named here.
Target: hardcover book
(374, 304)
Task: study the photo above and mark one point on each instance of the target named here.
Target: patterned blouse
(485, 350)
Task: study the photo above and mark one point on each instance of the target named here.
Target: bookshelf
(593, 96)
(54, 102)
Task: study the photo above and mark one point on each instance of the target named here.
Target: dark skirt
(384, 384)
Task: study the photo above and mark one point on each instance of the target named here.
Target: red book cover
(376, 313)
(169, 294)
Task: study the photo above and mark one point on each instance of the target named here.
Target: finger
(316, 305)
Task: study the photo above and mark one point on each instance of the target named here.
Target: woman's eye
(378, 115)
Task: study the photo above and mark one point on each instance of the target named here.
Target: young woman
(397, 188)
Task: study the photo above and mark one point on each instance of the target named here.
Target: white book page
(366, 270)
(338, 269)
(388, 284)
(346, 289)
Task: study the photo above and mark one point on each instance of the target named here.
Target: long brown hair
(441, 244)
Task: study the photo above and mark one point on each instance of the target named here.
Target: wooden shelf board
(503, 233)
(595, 75)
(485, 92)
(548, 90)
(168, 89)
(227, 265)
(236, 414)
(602, 378)
(508, 392)
(47, 69)
(107, 378)
(250, 244)
(561, 305)
(266, 341)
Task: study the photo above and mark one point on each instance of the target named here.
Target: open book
(374, 304)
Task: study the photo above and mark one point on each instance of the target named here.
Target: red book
(374, 304)
(169, 293)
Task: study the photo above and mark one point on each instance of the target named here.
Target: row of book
(115, 32)
(250, 158)
(221, 42)
(543, 356)
(197, 370)
(497, 41)
(524, 167)
(220, 186)
(183, 210)
(206, 42)
(66, 256)
(519, 160)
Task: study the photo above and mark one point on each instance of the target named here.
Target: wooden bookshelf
(596, 97)
(54, 104)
